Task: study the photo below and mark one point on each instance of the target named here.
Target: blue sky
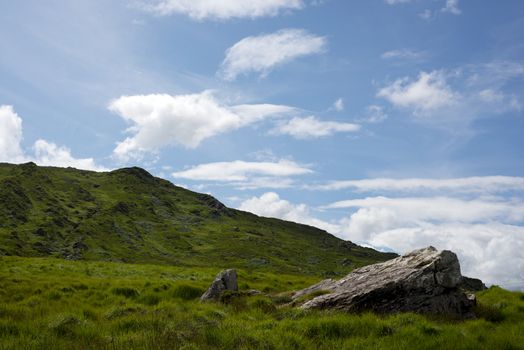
(392, 123)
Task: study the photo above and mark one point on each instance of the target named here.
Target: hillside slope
(128, 215)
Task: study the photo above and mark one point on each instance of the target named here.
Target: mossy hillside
(48, 303)
(127, 215)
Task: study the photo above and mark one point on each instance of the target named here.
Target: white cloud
(490, 96)
(395, 2)
(426, 14)
(160, 120)
(475, 184)
(407, 54)
(49, 154)
(45, 153)
(454, 98)
(452, 7)
(338, 105)
(241, 171)
(10, 136)
(271, 205)
(428, 92)
(223, 9)
(441, 209)
(484, 233)
(264, 52)
(311, 127)
(267, 182)
(374, 114)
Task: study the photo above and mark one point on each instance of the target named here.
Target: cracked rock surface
(424, 280)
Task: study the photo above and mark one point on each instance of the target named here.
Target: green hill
(127, 215)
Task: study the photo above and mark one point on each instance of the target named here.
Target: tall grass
(55, 304)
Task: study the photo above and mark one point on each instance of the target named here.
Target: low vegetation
(48, 303)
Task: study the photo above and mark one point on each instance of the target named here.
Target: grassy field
(48, 303)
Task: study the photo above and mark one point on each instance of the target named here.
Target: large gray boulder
(324, 285)
(424, 280)
(225, 280)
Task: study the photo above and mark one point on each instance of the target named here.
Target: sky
(395, 124)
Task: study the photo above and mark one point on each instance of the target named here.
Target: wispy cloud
(338, 105)
(311, 127)
(241, 171)
(403, 54)
(394, 2)
(264, 52)
(374, 114)
(476, 184)
(452, 7)
(221, 10)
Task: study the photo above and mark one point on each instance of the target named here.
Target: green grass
(127, 215)
(48, 303)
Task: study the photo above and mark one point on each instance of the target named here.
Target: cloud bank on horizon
(393, 136)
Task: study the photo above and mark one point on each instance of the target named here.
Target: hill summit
(128, 215)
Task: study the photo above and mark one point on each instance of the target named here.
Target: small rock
(225, 280)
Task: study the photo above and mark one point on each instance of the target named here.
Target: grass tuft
(125, 292)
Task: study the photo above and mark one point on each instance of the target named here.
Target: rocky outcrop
(324, 285)
(472, 284)
(225, 280)
(424, 280)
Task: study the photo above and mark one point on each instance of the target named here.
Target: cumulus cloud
(241, 171)
(450, 98)
(429, 91)
(10, 136)
(223, 9)
(48, 153)
(271, 205)
(474, 184)
(264, 52)
(485, 233)
(479, 218)
(311, 127)
(484, 229)
(159, 120)
(45, 152)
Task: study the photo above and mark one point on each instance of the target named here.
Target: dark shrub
(125, 292)
(187, 292)
(490, 313)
